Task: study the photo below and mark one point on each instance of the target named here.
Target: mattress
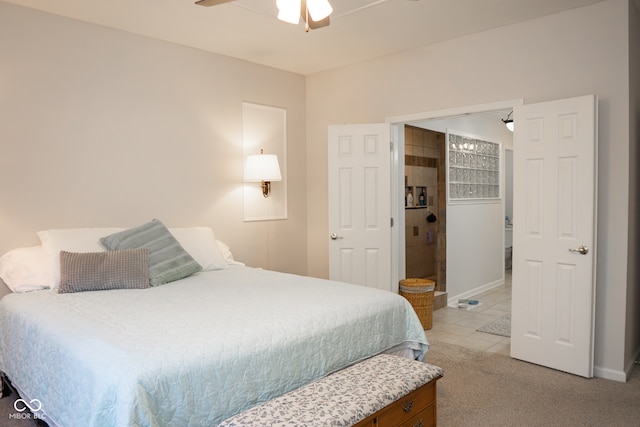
(196, 351)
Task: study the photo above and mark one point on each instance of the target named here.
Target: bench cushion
(342, 398)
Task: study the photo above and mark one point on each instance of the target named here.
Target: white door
(554, 238)
(359, 204)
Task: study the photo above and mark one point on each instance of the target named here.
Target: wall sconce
(262, 168)
(509, 122)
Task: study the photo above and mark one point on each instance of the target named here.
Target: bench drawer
(426, 418)
(415, 409)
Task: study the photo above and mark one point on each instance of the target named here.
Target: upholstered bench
(382, 391)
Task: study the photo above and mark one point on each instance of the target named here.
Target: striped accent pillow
(168, 261)
(101, 271)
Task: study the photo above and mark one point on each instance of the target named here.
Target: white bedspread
(195, 351)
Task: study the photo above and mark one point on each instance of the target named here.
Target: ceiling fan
(314, 13)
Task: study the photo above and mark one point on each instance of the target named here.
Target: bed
(193, 351)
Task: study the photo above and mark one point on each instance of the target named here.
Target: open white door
(554, 237)
(360, 204)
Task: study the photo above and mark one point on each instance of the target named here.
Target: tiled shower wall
(424, 170)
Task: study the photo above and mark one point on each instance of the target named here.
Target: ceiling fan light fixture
(319, 9)
(289, 11)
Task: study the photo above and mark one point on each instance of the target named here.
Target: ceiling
(359, 30)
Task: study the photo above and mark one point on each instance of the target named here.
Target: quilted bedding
(193, 352)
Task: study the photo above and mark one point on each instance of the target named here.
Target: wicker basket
(420, 294)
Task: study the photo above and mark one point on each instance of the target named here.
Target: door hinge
(390, 145)
(391, 222)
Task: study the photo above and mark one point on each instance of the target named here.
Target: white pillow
(25, 269)
(70, 240)
(226, 253)
(201, 244)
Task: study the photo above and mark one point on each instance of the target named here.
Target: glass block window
(473, 168)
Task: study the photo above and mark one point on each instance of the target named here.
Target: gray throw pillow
(168, 261)
(100, 271)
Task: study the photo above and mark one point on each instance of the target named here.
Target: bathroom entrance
(425, 206)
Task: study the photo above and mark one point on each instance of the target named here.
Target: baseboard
(614, 375)
(610, 374)
(453, 301)
(631, 364)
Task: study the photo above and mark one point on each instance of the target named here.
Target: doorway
(425, 207)
(472, 240)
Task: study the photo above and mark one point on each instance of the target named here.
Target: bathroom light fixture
(262, 168)
(509, 122)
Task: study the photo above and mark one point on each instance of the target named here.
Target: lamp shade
(262, 167)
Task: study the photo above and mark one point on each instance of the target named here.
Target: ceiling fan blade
(319, 24)
(311, 24)
(211, 2)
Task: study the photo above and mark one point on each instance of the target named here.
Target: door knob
(582, 249)
(334, 236)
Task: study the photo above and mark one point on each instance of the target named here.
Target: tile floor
(458, 326)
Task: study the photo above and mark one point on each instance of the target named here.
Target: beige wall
(633, 290)
(578, 52)
(100, 127)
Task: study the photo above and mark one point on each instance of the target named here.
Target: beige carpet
(488, 389)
